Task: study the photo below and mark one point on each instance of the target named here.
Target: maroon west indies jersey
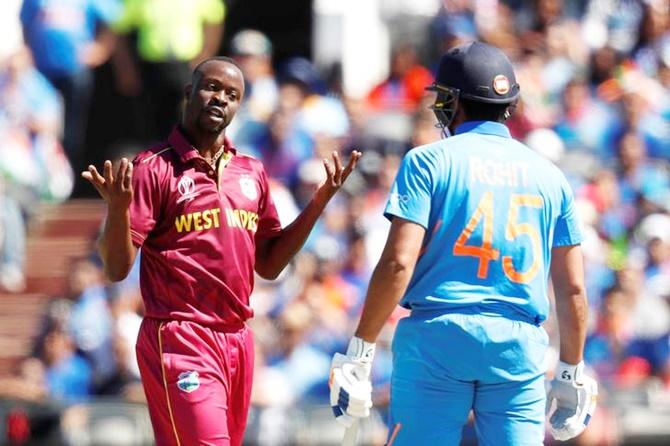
(197, 237)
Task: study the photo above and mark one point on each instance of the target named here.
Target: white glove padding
(350, 386)
(571, 401)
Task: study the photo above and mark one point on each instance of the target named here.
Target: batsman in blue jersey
(479, 224)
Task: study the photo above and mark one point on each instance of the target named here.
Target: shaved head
(197, 71)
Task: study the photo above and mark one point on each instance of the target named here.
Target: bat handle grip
(351, 435)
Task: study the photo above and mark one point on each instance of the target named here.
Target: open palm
(115, 189)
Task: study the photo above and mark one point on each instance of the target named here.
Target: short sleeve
(567, 232)
(145, 207)
(213, 11)
(268, 218)
(411, 193)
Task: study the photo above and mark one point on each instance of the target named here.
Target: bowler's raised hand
(115, 189)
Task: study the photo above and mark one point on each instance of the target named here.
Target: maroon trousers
(197, 381)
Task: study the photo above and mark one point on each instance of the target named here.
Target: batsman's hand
(350, 386)
(115, 189)
(571, 401)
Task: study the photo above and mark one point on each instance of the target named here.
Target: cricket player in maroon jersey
(204, 218)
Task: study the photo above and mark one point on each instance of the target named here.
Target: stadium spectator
(405, 84)
(68, 39)
(639, 177)
(302, 366)
(253, 52)
(654, 37)
(279, 144)
(303, 125)
(123, 381)
(12, 243)
(172, 36)
(619, 358)
(127, 310)
(584, 122)
(69, 377)
(90, 323)
(453, 25)
(613, 23)
(83, 314)
(649, 316)
(652, 235)
(31, 157)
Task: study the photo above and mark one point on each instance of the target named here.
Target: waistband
(220, 327)
(430, 313)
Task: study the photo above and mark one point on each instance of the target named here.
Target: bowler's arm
(391, 276)
(273, 254)
(115, 245)
(567, 273)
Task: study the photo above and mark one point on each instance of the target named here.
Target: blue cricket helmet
(475, 71)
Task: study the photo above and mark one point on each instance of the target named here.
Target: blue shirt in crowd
(57, 31)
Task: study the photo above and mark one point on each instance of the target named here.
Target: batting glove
(350, 386)
(571, 401)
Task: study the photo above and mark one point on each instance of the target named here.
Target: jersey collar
(484, 127)
(177, 140)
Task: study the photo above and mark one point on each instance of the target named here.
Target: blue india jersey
(493, 209)
(57, 31)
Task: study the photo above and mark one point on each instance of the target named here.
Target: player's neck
(459, 119)
(207, 144)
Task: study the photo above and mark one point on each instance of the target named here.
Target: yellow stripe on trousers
(167, 394)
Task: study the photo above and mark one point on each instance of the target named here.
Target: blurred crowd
(595, 84)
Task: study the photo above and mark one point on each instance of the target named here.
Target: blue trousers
(445, 365)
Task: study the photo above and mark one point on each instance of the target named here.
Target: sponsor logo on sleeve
(397, 199)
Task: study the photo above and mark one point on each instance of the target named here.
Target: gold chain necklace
(216, 157)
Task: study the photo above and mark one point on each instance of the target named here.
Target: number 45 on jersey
(513, 229)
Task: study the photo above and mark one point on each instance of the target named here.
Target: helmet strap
(510, 110)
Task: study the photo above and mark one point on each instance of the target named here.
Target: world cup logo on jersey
(248, 187)
(186, 189)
